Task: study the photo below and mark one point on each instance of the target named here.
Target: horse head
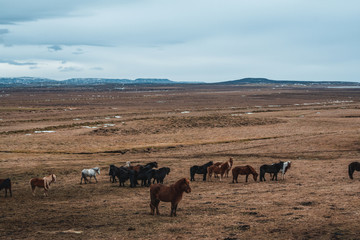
(96, 169)
(186, 185)
(183, 185)
(255, 175)
(53, 176)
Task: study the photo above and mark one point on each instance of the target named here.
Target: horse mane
(180, 183)
(288, 166)
(231, 162)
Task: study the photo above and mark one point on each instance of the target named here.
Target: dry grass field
(63, 130)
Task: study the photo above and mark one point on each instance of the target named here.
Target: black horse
(123, 174)
(352, 167)
(199, 170)
(144, 174)
(158, 174)
(274, 169)
(6, 184)
(112, 173)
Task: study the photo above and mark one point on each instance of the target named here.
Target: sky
(187, 40)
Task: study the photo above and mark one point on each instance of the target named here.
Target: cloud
(18, 63)
(54, 48)
(70, 69)
(97, 68)
(4, 31)
(78, 51)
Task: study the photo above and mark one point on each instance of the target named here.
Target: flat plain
(64, 130)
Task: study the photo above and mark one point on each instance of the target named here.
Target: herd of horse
(173, 193)
(220, 169)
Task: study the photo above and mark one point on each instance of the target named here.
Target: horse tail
(351, 171)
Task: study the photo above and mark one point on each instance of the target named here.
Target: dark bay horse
(274, 168)
(352, 167)
(199, 170)
(244, 170)
(172, 193)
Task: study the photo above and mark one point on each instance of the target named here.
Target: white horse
(286, 166)
(89, 173)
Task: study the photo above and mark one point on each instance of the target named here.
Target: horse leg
(45, 192)
(204, 177)
(275, 177)
(247, 175)
(154, 205)
(33, 190)
(173, 209)
(95, 178)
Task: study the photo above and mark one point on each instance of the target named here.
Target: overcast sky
(186, 40)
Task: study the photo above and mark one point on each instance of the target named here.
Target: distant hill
(258, 81)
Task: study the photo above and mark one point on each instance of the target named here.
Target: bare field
(63, 130)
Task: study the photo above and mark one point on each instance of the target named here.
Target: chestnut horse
(42, 183)
(244, 170)
(220, 169)
(352, 167)
(172, 193)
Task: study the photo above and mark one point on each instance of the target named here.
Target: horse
(89, 173)
(352, 167)
(222, 169)
(112, 173)
(6, 184)
(172, 193)
(286, 166)
(123, 174)
(160, 174)
(244, 170)
(138, 167)
(199, 170)
(228, 170)
(42, 183)
(145, 175)
(274, 168)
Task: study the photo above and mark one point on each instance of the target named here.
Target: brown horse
(172, 193)
(42, 183)
(244, 170)
(220, 169)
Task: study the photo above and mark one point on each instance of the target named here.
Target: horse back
(37, 182)
(5, 183)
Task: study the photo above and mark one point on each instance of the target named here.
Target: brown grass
(316, 129)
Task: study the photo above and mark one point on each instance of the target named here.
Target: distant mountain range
(35, 82)
(78, 81)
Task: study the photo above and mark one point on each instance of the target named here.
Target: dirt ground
(64, 130)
